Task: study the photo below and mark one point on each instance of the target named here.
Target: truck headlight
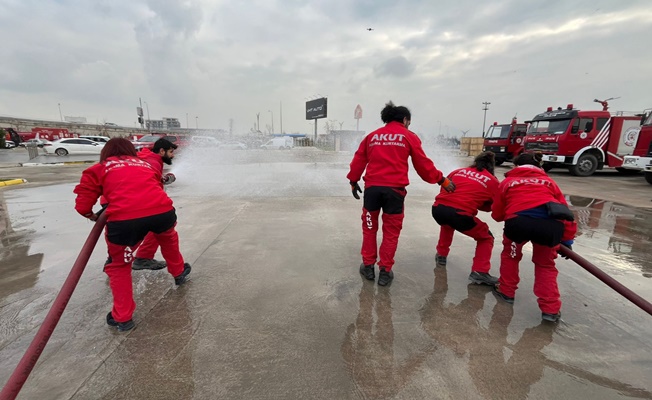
(502, 149)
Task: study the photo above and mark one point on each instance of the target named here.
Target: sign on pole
(357, 114)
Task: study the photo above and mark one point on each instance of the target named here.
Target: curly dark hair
(392, 113)
(535, 159)
(485, 160)
(117, 147)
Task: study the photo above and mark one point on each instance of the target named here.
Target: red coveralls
(384, 153)
(133, 191)
(474, 190)
(527, 187)
(148, 247)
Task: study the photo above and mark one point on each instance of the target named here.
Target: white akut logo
(388, 137)
(631, 136)
(128, 255)
(369, 220)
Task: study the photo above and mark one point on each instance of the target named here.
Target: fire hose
(33, 352)
(611, 282)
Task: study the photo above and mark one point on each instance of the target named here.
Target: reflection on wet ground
(618, 234)
(18, 268)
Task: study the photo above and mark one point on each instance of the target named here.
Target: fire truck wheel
(648, 177)
(586, 165)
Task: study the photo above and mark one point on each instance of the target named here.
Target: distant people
(534, 210)
(384, 154)
(137, 204)
(162, 153)
(475, 188)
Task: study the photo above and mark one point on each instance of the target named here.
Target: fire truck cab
(505, 141)
(582, 141)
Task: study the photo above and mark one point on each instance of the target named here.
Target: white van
(279, 143)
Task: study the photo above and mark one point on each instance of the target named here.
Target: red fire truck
(642, 154)
(582, 141)
(505, 141)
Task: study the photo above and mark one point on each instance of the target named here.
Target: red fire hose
(26, 364)
(611, 282)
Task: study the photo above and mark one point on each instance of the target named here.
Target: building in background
(164, 123)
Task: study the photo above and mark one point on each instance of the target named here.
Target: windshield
(149, 138)
(498, 132)
(555, 126)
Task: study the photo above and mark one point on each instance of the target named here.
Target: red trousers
(483, 247)
(148, 247)
(119, 270)
(392, 225)
(545, 273)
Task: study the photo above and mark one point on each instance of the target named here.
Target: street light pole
(196, 122)
(485, 108)
(60, 114)
(281, 117)
(186, 120)
(271, 112)
(149, 121)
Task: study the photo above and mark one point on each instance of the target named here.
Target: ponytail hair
(485, 160)
(535, 159)
(392, 113)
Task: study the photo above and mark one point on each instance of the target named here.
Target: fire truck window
(586, 124)
(601, 123)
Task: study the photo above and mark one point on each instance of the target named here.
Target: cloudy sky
(221, 60)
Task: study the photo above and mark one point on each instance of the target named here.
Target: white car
(99, 139)
(38, 142)
(63, 147)
(9, 144)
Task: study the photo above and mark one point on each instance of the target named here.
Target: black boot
(122, 326)
(182, 278)
(368, 271)
(385, 277)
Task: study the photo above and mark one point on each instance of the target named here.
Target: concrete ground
(276, 307)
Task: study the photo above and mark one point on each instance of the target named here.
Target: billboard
(316, 109)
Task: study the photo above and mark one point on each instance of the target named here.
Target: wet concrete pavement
(276, 308)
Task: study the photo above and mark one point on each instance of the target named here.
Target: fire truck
(642, 154)
(582, 141)
(505, 141)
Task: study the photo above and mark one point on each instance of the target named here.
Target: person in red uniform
(162, 153)
(527, 201)
(475, 187)
(384, 154)
(137, 204)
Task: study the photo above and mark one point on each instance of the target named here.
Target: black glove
(569, 247)
(168, 178)
(355, 188)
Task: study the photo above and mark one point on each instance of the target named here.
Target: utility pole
(140, 114)
(258, 121)
(149, 121)
(485, 108)
(186, 120)
(281, 117)
(196, 122)
(60, 115)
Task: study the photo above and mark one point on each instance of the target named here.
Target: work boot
(122, 326)
(440, 260)
(367, 271)
(385, 277)
(482, 278)
(147, 263)
(502, 296)
(182, 278)
(551, 317)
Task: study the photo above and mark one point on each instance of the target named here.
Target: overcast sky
(217, 60)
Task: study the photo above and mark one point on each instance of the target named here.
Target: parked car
(38, 142)
(9, 144)
(147, 141)
(63, 147)
(99, 139)
(232, 146)
(279, 143)
(205, 141)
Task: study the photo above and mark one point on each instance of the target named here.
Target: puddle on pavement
(619, 234)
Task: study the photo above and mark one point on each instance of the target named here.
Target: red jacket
(384, 153)
(153, 159)
(131, 186)
(474, 190)
(526, 187)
